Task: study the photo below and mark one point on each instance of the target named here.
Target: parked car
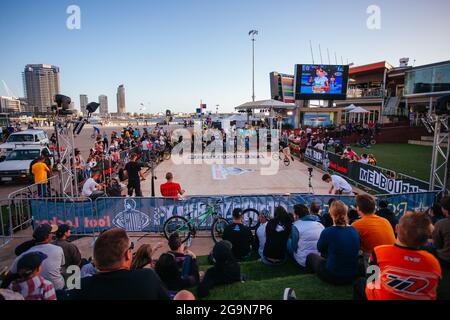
(27, 137)
(16, 166)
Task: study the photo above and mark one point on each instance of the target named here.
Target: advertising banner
(149, 214)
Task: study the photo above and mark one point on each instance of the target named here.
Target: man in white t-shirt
(145, 149)
(91, 188)
(319, 145)
(51, 267)
(338, 184)
(264, 217)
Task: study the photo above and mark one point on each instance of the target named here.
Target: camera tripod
(310, 186)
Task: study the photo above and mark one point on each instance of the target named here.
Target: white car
(27, 137)
(16, 166)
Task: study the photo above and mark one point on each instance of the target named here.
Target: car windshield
(23, 155)
(21, 138)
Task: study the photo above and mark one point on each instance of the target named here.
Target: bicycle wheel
(286, 161)
(373, 142)
(251, 218)
(177, 224)
(167, 155)
(218, 228)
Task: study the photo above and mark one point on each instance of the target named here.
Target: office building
(41, 84)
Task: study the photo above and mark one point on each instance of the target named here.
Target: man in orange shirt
(171, 189)
(402, 271)
(40, 172)
(373, 230)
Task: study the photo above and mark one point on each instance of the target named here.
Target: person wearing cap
(240, 236)
(260, 237)
(28, 280)
(226, 269)
(72, 255)
(51, 267)
(305, 234)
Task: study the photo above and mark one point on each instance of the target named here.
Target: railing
(365, 93)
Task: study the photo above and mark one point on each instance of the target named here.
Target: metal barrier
(89, 218)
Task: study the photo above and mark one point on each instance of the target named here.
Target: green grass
(268, 283)
(408, 159)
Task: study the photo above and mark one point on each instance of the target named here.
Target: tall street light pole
(253, 34)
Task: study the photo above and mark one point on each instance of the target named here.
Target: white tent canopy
(350, 107)
(358, 110)
(266, 104)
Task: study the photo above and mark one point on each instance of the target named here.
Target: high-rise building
(9, 105)
(121, 99)
(83, 103)
(41, 84)
(103, 100)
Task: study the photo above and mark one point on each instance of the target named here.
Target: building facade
(41, 84)
(121, 99)
(9, 105)
(83, 103)
(103, 101)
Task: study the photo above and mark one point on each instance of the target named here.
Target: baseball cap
(31, 261)
(42, 231)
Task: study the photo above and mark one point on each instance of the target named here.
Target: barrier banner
(149, 214)
(372, 177)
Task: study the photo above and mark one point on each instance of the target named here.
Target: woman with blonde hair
(339, 248)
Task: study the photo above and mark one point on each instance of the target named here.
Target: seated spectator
(226, 269)
(115, 280)
(435, 212)
(314, 209)
(405, 271)
(72, 255)
(143, 257)
(260, 236)
(371, 159)
(51, 266)
(278, 231)
(6, 294)
(387, 213)
(169, 272)
(28, 281)
(373, 230)
(305, 233)
(186, 259)
(441, 235)
(339, 247)
(88, 270)
(353, 215)
(91, 188)
(240, 236)
(326, 219)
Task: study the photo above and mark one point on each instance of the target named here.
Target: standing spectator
(145, 145)
(240, 236)
(405, 271)
(51, 266)
(41, 172)
(226, 269)
(72, 255)
(387, 213)
(277, 234)
(441, 235)
(305, 234)
(260, 236)
(28, 280)
(115, 280)
(135, 175)
(373, 230)
(171, 189)
(340, 245)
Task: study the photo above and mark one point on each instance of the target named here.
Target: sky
(172, 54)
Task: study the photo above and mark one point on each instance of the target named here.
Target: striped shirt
(36, 288)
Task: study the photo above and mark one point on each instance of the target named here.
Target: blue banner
(149, 214)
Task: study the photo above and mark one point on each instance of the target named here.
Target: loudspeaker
(92, 107)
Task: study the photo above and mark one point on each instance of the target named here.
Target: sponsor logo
(381, 181)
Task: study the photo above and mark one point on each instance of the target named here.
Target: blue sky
(173, 53)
